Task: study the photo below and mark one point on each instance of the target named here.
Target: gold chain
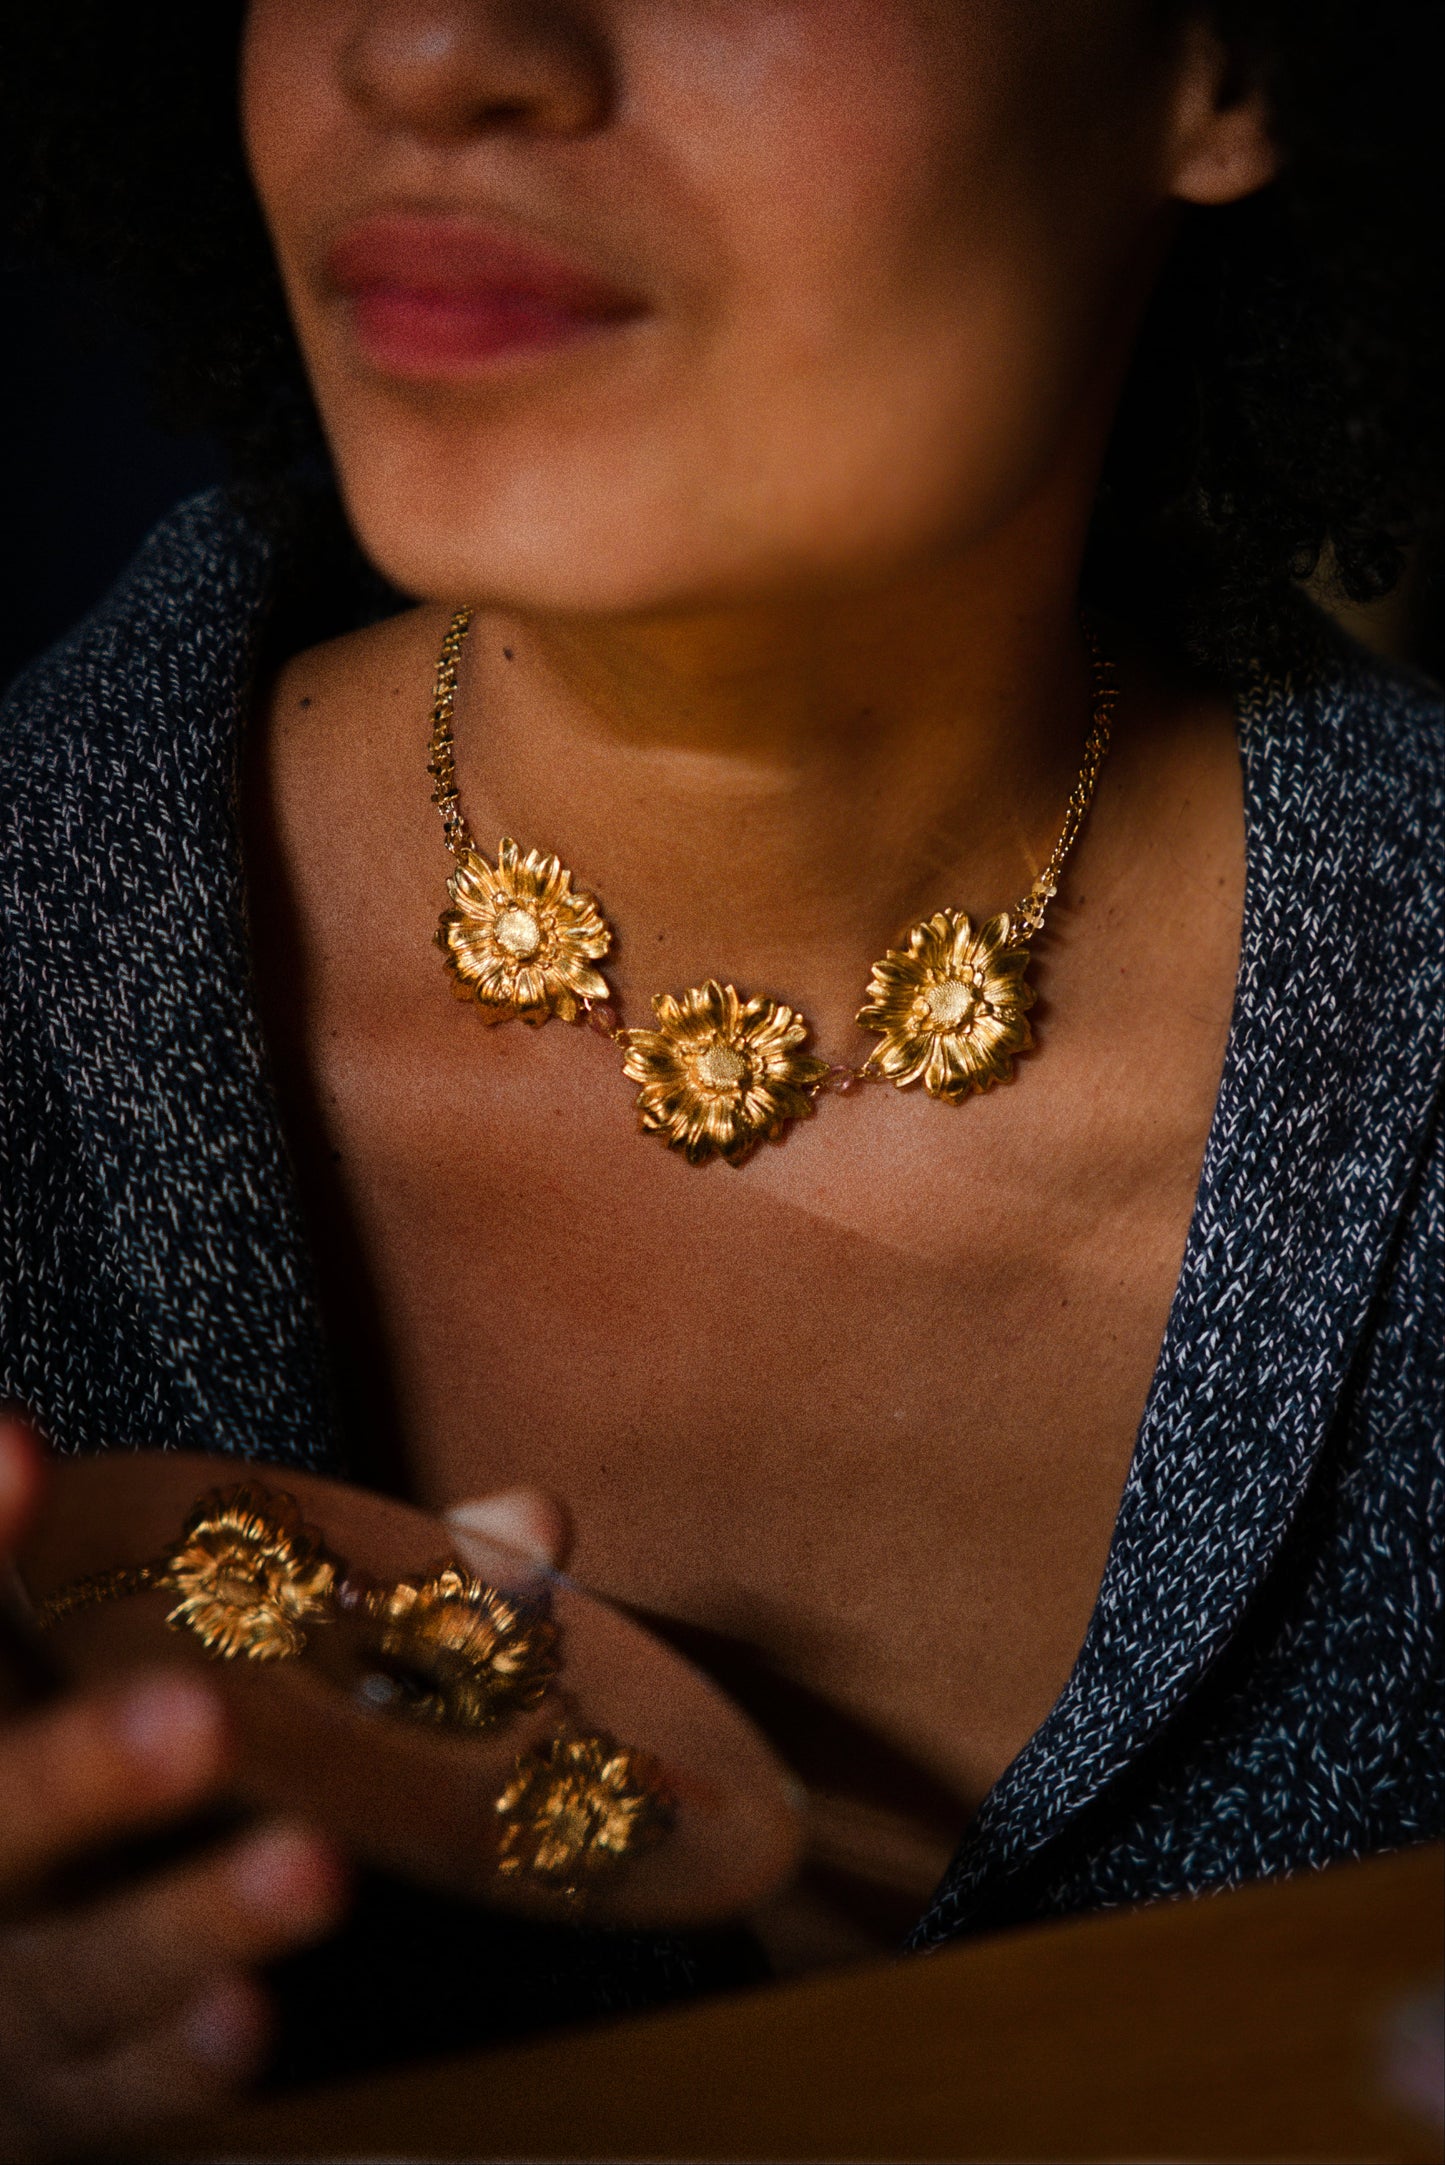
(1104, 698)
(441, 758)
(102, 1586)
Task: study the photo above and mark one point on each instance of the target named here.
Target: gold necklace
(719, 1074)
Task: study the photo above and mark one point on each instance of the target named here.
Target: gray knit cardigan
(1260, 1686)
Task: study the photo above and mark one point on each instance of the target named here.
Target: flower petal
(1004, 982)
(647, 1054)
(902, 1059)
(493, 978)
(575, 975)
(776, 1037)
(937, 1071)
(586, 933)
(534, 875)
(789, 1103)
(981, 1061)
(473, 947)
(720, 1121)
(696, 1144)
(718, 1005)
(895, 972)
(966, 948)
(473, 883)
(530, 993)
(930, 943)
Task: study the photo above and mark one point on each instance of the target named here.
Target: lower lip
(407, 332)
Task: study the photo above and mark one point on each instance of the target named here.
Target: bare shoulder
(360, 672)
(341, 736)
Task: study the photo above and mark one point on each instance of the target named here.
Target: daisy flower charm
(250, 1575)
(518, 940)
(576, 1809)
(473, 1653)
(951, 1008)
(720, 1074)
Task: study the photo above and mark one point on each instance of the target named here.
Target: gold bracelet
(253, 1580)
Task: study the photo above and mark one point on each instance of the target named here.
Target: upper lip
(406, 251)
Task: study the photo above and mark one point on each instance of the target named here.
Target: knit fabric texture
(1260, 1686)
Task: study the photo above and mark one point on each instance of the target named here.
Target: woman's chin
(562, 555)
(568, 544)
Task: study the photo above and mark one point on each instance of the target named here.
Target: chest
(850, 1423)
(859, 1413)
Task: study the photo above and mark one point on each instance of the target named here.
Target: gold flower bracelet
(254, 1580)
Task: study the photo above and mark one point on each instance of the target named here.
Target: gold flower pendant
(719, 1074)
(576, 1809)
(469, 1653)
(251, 1576)
(518, 940)
(950, 1008)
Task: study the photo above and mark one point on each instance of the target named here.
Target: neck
(774, 795)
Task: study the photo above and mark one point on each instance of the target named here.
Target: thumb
(20, 1474)
(525, 1520)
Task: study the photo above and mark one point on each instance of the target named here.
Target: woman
(1041, 1446)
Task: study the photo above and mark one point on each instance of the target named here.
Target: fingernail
(224, 2027)
(520, 1519)
(287, 1874)
(171, 1725)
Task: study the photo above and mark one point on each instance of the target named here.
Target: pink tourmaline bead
(602, 1017)
(840, 1080)
(354, 1593)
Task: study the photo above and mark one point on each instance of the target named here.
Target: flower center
(720, 1067)
(952, 1003)
(518, 932)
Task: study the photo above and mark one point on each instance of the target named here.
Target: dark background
(87, 472)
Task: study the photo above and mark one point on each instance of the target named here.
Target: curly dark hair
(1281, 416)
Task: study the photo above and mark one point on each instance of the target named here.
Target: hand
(121, 2013)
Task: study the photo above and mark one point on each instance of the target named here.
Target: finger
(123, 1965)
(528, 1520)
(26, 1675)
(188, 2066)
(20, 1474)
(103, 1765)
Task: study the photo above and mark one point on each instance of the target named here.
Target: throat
(770, 811)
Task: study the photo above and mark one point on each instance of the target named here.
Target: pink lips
(440, 297)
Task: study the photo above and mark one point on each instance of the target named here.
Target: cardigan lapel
(1332, 1065)
(152, 1027)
